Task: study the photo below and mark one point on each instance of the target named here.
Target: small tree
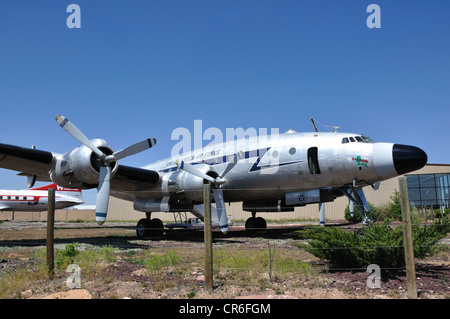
(394, 206)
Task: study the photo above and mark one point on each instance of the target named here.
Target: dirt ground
(18, 240)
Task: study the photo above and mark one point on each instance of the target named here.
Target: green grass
(156, 262)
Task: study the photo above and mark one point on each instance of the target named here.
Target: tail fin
(56, 187)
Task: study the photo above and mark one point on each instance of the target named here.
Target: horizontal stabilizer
(56, 187)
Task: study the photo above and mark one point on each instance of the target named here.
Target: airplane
(36, 199)
(272, 173)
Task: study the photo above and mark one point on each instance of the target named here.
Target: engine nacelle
(79, 168)
(182, 182)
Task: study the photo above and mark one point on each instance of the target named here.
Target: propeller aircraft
(273, 173)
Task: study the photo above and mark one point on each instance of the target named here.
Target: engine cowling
(80, 167)
(185, 184)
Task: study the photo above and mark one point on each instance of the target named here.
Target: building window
(429, 190)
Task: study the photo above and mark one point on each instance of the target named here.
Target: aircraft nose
(408, 158)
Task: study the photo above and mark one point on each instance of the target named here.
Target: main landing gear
(255, 223)
(149, 228)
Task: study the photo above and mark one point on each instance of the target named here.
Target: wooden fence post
(51, 233)
(407, 239)
(208, 237)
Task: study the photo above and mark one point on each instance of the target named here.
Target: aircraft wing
(40, 163)
(26, 160)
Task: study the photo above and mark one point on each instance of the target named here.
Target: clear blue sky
(138, 69)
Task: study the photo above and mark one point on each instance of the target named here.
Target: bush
(65, 257)
(391, 211)
(373, 214)
(395, 206)
(437, 213)
(378, 244)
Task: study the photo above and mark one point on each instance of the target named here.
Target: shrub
(65, 257)
(391, 211)
(437, 212)
(395, 206)
(356, 218)
(377, 244)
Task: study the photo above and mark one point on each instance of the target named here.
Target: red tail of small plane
(57, 188)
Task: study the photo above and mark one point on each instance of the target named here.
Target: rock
(27, 293)
(140, 272)
(71, 294)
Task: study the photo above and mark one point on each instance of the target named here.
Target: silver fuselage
(276, 165)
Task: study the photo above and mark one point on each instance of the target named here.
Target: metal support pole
(51, 233)
(208, 237)
(407, 239)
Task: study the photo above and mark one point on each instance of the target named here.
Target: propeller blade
(192, 170)
(103, 194)
(131, 150)
(31, 179)
(77, 134)
(221, 210)
(237, 157)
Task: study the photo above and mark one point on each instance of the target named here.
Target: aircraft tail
(57, 188)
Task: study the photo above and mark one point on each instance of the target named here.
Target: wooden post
(407, 239)
(50, 233)
(208, 237)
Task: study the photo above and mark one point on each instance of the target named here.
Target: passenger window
(352, 139)
(344, 140)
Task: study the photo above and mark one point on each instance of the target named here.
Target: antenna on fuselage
(312, 121)
(335, 128)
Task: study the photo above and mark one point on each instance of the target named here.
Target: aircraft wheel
(153, 228)
(156, 228)
(143, 228)
(255, 223)
(250, 223)
(261, 223)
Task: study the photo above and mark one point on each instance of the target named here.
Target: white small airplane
(270, 173)
(36, 199)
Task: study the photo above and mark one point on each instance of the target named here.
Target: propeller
(104, 180)
(217, 182)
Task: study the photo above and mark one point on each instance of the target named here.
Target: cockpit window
(366, 139)
(359, 139)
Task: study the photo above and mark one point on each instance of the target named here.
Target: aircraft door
(313, 160)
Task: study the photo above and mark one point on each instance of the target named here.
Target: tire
(156, 228)
(143, 228)
(250, 223)
(261, 223)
